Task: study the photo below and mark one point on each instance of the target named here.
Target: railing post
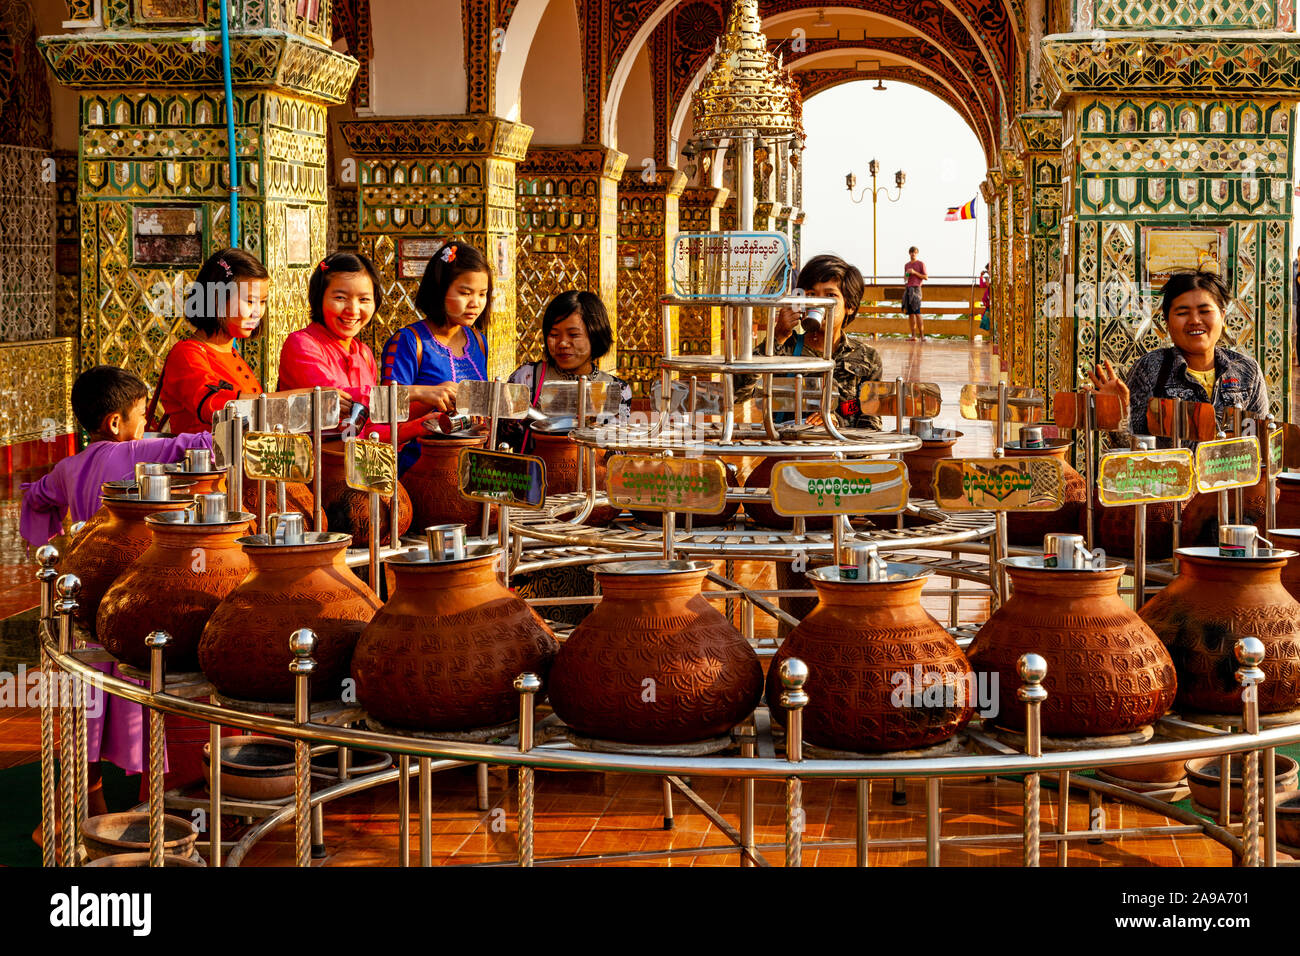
(47, 557)
(527, 686)
(157, 643)
(1250, 654)
(1032, 669)
(302, 643)
(68, 586)
(794, 673)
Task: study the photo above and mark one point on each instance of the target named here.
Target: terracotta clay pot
(1107, 672)
(1203, 780)
(761, 513)
(653, 624)
(347, 510)
(297, 496)
(433, 484)
(244, 649)
(443, 653)
(856, 642)
(1287, 512)
(111, 833)
(655, 518)
(1201, 514)
(1026, 528)
(1289, 540)
(174, 587)
(1115, 527)
(920, 464)
(1213, 603)
(560, 452)
(200, 482)
(100, 553)
(255, 768)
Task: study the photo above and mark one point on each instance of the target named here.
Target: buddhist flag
(956, 213)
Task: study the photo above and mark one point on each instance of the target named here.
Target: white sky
(905, 128)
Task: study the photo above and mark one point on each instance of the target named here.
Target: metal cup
(143, 468)
(210, 508)
(1065, 551)
(922, 428)
(286, 527)
(1031, 436)
(452, 423)
(867, 565)
(198, 459)
(1238, 540)
(154, 487)
(443, 538)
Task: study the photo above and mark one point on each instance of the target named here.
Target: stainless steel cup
(867, 564)
(143, 468)
(210, 508)
(198, 459)
(444, 538)
(286, 527)
(154, 487)
(922, 428)
(1239, 540)
(1031, 436)
(452, 423)
(1065, 551)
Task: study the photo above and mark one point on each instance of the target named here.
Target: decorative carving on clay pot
(434, 485)
(347, 510)
(1027, 528)
(1107, 672)
(99, 554)
(174, 586)
(298, 497)
(1214, 602)
(861, 635)
(560, 452)
(443, 653)
(920, 463)
(654, 624)
(244, 650)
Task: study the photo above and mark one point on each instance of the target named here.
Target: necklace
(481, 374)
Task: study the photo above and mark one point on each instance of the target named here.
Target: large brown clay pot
(347, 510)
(200, 482)
(655, 663)
(655, 518)
(244, 649)
(100, 553)
(761, 513)
(920, 464)
(443, 653)
(297, 496)
(560, 453)
(857, 641)
(1107, 672)
(1026, 528)
(1212, 604)
(1288, 539)
(174, 587)
(433, 483)
(1201, 514)
(1115, 527)
(1287, 512)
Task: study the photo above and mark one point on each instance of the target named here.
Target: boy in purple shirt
(109, 403)
(914, 272)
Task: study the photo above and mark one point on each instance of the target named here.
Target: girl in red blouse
(203, 372)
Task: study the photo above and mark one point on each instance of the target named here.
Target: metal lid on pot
(1261, 554)
(309, 537)
(445, 544)
(652, 567)
(892, 572)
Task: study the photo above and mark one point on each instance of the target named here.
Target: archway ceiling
(817, 80)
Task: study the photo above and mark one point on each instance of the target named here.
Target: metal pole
(1270, 483)
(214, 795)
(47, 556)
(794, 673)
(503, 538)
(302, 643)
(1089, 423)
(1063, 817)
(1178, 505)
(67, 586)
(1139, 556)
(875, 268)
(932, 821)
(1240, 493)
(745, 223)
(491, 445)
(864, 808)
(1032, 669)
(1250, 654)
(527, 685)
(404, 810)
(317, 509)
(156, 642)
(747, 796)
(374, 541)
(426, 812)
(261, 482)
(394, 513)
(670, 522)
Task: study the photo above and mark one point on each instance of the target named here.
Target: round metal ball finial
(47, 556)
(1032, 668)
(1249, 651)
(76, 528)
(302, 642)
(157, 639)
(794, 673)
(528, 683)
(68, 586)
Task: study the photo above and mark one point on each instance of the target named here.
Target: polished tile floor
(591, 816)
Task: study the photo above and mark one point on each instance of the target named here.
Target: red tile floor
(588, 815)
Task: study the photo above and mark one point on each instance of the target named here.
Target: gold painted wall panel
(35, 383)
(27, 236)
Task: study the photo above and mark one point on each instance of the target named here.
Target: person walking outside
(914, 272)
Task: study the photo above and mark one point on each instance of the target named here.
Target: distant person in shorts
(914, 273)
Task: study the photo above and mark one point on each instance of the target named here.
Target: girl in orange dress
(202, 373)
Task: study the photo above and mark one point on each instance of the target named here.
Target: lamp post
(851, 181)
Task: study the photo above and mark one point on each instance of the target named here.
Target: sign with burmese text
(278, 456)
(999, 484)
(1142, 477)
(695, 485)
(731, 265)
(1227, 463)
(502, 478)
(839, 487)
(371, 466)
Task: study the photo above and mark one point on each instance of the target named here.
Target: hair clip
(324, 266)
(229, 272)
(449, 253)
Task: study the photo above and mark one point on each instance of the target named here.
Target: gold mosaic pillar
(1178, 151)
(647, 225)
(1040, 134)
(1022, 319)
(700, 210)
(423, 180)
(998, 260)
(154, 180)
(567, 200)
